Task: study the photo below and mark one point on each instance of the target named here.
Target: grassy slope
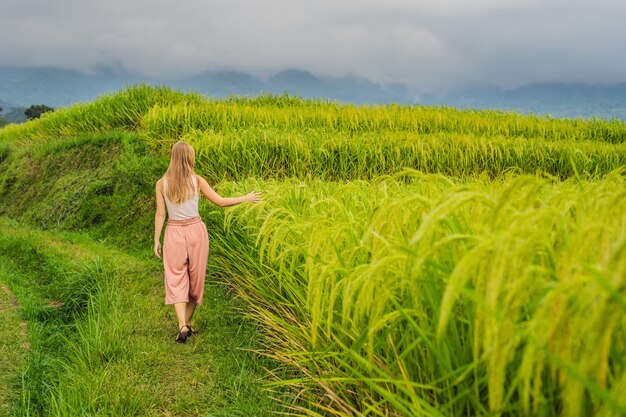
(96, 316)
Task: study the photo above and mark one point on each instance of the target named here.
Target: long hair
(180, 173)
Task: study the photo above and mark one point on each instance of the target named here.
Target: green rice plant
(161, 114)
(169, 120)
(417, 295)
(267, 153)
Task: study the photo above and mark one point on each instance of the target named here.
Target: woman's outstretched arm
(215, 198)
(159, 218)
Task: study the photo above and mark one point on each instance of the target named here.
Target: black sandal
(191, 330)
(182, 336)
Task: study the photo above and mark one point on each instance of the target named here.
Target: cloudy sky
(427, 44)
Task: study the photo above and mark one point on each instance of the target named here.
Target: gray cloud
(426, 44)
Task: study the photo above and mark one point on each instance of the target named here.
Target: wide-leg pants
(185, 258)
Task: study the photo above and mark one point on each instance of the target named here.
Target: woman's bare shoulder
(159, 183)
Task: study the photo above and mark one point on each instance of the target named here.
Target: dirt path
(13, 348)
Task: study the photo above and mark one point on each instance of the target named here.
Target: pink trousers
(185, 257)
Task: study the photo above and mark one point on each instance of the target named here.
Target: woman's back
(186, 241)
(187, 209)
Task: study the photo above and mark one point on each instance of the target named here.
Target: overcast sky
(427, 44)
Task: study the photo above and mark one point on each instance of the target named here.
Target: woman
(185, 242)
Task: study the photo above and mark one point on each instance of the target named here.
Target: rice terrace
(405, 261)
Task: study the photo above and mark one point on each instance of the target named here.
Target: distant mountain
(348, 89)
(221, 84)
(57, 87)
(14, 114)
(553, 98)
(21, 87)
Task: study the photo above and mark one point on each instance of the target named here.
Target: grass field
(405, 261)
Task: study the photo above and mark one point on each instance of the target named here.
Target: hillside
(406, 260)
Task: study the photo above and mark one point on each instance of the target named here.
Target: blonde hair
(180, 173)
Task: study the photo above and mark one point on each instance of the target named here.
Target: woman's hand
(253, 197)
(157, 249)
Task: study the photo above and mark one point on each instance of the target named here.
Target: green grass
(405, 260)
(13, 347)
(102, 339)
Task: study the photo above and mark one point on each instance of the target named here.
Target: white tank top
(187, 209)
